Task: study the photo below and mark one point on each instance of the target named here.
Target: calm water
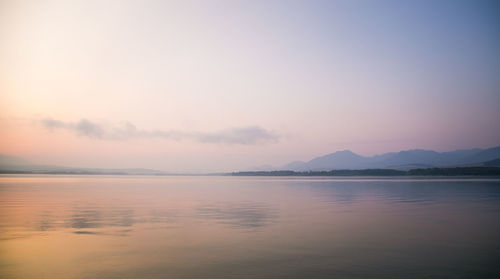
(248, 227)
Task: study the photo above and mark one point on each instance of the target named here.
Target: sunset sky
(201, 86)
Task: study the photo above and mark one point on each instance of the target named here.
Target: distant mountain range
(340, 160)
(403, 160)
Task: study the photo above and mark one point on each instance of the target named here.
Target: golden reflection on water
(233, 227)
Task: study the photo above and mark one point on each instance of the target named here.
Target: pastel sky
(225, 85)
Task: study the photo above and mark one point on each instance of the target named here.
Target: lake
(56, 226)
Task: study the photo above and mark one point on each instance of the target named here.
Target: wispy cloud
(248, 135)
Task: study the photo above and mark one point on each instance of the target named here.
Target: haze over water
(248, 227)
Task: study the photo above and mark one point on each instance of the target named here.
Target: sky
(197, 86)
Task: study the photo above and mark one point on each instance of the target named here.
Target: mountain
(407, 157)
(341, 159)
(484, 155)
(396, 160)
(492, 163)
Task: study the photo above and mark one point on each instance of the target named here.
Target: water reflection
(45, 222)
(420, 191)
(167, 217)
(83, 219)
(86, 232)
(223, 227)
(244, 215)
(101, 220)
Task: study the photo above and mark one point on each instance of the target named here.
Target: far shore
(453, 171)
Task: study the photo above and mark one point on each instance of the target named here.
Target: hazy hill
(10, 164)
(295, 165)
(12, 161)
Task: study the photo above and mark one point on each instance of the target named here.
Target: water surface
(248, 227)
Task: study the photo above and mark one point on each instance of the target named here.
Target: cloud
(83, 127)
(249, 135)
(52, 123)
(242, 135)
